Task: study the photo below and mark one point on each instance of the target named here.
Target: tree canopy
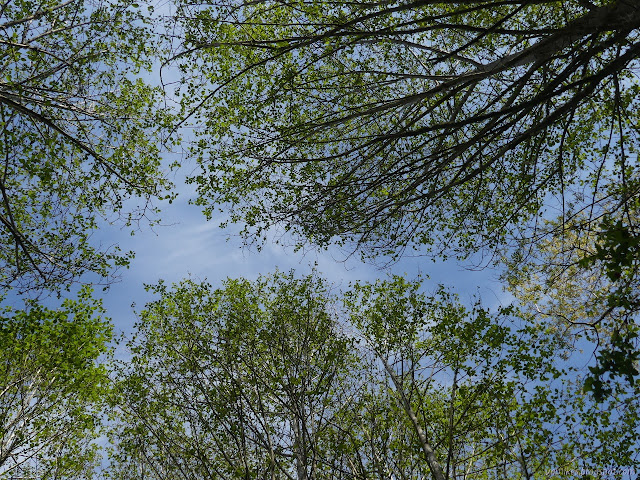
(79, 136)
(52, 388)
(436, 125)
(505, 126)
(286, 378)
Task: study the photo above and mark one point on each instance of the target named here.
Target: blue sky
(186, 244)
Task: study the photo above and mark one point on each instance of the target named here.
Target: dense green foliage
(439, 125)
(78, 136)
(52, 390)
(286, 378)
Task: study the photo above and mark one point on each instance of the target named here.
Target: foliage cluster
(52, 392)
(283, 378)
(80, 134)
